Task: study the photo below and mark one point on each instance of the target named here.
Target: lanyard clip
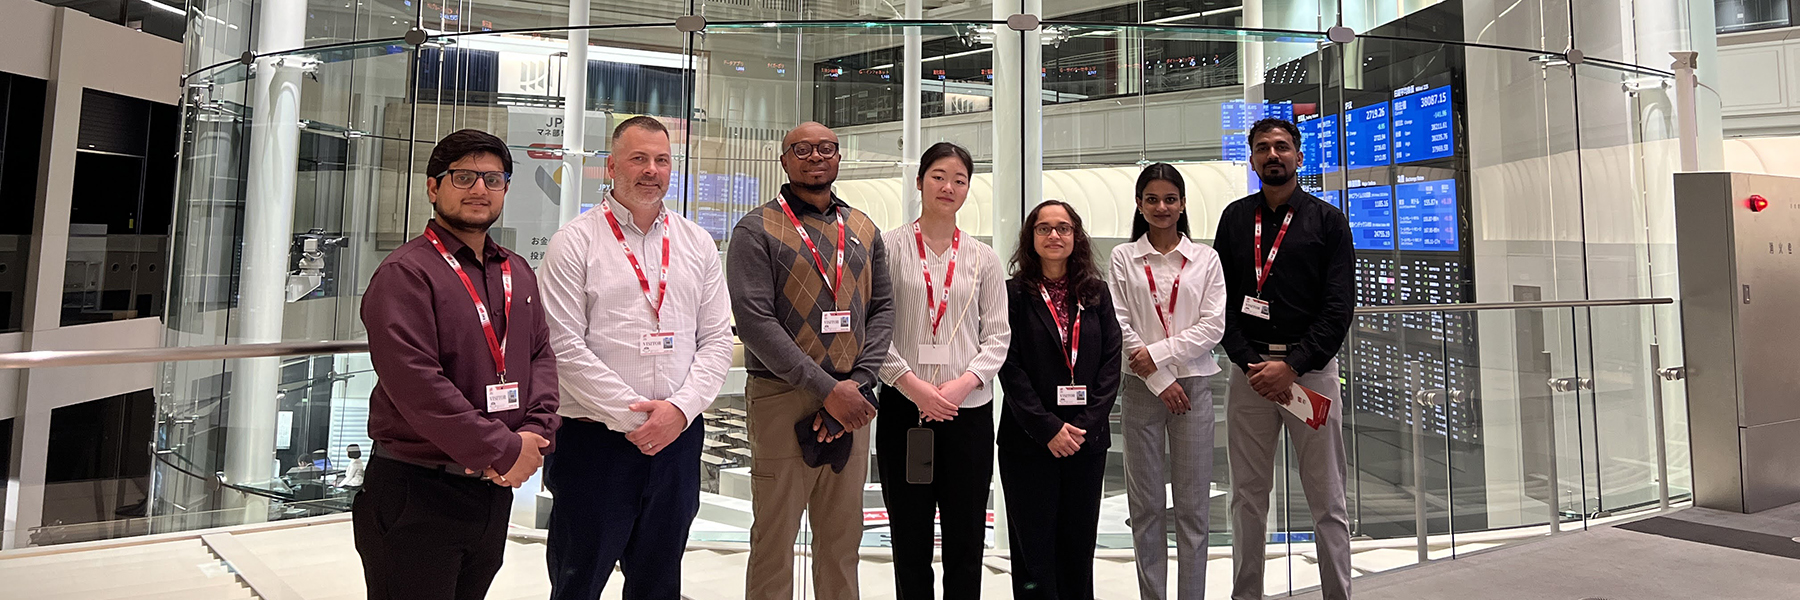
(501, 375)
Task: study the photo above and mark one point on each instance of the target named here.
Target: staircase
(184, 569)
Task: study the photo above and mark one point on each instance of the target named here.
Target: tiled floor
(320, 563)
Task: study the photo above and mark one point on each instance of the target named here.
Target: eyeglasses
(1046, 230)
(805, 149)
(464, 179)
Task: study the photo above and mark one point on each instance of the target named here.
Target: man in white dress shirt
(640, 321)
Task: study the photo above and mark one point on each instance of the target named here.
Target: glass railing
(1504, 423)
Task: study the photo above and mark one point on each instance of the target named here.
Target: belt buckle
(1282, 348)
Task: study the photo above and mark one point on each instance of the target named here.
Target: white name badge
(1071, 395)
(655, 344)
(1256, 307)
(934, 354)
(503, 397)
(837, 321)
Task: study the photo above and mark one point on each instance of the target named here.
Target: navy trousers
(615, 506)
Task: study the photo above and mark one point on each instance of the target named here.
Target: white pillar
(44, 272)
(1031, 111)
(268, 230)
(1250, 59)
(1018, 159)
(912, 144)
(1686, 119)
(1710, 122)
(574, 114)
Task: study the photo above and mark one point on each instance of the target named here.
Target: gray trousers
(1253, 441)
(1160, 444)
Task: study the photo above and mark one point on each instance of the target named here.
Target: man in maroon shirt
(464, 406)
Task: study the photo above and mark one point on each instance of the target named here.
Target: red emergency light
(1758, 203)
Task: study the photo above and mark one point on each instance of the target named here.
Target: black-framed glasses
(805, 149)
(464, 179)
(1062, 230)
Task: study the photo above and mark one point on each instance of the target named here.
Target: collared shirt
(432, 362)
(1310, 288)
(1198, 320)
(975, 323)
(353, 474)
(599, 314)
(778, 295)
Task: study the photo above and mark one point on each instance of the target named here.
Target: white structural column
(1250, 54)
(49, 252)
(268, 231)
(1031, 115)
(1018, 156)
(912, 146)
(574, 113)
(1710, 137)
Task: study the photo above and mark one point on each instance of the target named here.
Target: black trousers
(963, 468)
(428, 535)
(1053, 509)
(615, 506)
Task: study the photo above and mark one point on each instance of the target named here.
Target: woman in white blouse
(1170, 296)
(950, 338)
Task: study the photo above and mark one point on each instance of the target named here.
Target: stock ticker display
(1391, 160)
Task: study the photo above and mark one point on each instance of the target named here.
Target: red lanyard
(943, 305)
(1262, 268)
(819, 260)
(1062, 325)
(662, 274)
(496, 345)
(1174, 291)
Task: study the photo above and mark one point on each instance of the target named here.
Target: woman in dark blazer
(1053, 435)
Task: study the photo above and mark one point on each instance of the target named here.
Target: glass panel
(304, 431)
(1732, 16)
(1624, 396)
(1627, 147)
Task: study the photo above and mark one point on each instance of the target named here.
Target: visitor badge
(1256, 307)
(1071, 395)
(934, 354)
(656, 344)
(836, 321)
(503, 397)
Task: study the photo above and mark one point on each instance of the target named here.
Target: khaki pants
(782, 487)
(1254, 437)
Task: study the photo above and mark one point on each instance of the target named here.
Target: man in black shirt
(1287, 258)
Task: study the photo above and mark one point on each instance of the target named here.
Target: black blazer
(1035, 366)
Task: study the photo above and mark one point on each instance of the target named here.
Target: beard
(1277, 180)
(632, 193)
(463, 224)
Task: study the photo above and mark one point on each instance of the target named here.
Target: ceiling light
(165, 7)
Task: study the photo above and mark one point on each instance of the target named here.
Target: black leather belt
(448, 469)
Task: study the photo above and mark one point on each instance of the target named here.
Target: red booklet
(1312, 407)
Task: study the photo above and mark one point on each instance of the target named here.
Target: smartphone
(832, 426)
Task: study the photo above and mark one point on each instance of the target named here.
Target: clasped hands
(847, 405)
(1273, 380)
(1173, 397)
(531, 456)
(939, 402)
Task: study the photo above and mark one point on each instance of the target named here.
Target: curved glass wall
(1477, 157)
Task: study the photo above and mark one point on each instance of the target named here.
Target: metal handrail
(1479, 306)
(39, 359)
